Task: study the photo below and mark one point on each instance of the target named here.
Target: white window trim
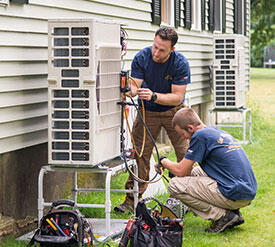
(196, 16)
(172, 13)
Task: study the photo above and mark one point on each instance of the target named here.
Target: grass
(259, 226)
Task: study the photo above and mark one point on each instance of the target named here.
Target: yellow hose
(144, 129)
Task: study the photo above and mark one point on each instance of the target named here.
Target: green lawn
(259, 226)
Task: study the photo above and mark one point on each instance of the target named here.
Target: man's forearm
(174, 98)
(173, 167)
(168, 99)
(180, 169)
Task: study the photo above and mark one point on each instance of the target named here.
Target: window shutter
(211, 15)
(238, 9)
(156, 12)
(223, 16)
(235, 16)
(245, 17)
(217, 15)
(188, 14)
(177, 12)
(202, 14)
(20, 1)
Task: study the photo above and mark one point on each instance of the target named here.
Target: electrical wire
(152, 180)
(123, 41)
(159, 171)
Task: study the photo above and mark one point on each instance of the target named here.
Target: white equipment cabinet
(84, 88)
(229, 71)
(229, 83)
(84, 117)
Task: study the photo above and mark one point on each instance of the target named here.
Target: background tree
(262, 29)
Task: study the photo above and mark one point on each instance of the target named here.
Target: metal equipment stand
(103, 169)
(242, 124)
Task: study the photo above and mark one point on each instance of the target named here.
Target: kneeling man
(223, 182)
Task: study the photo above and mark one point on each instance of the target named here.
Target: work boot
(126, 207)
(240, 219)
(228, 220)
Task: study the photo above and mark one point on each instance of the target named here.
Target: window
(194, 14)
(166, 12)
(240, 16)
(217, 15)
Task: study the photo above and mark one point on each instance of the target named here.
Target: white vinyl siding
(24, 57)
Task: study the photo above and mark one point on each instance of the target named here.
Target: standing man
(222, 184)
(162, 75)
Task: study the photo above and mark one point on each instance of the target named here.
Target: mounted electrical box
(84, 88)
(229, 71)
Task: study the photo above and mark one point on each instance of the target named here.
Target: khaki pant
(154, 122)
(201, 194)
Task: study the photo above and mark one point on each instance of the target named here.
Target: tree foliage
(262, 28)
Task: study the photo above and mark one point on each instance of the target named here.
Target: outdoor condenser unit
(83, 89)
(229, 71)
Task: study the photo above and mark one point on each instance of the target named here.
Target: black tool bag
(63, 227)
(160, 228)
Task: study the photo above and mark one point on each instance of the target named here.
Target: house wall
(23, 74)
(23, 60)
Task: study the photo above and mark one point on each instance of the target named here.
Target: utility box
(229, 71)
(83, 90)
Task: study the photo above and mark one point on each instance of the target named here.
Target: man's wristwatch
(161, 158)
(154, 96)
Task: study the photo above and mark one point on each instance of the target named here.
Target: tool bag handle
(148, 199)
(142, 211)
(63, 202)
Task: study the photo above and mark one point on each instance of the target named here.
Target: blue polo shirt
(159, 77)
(223, 159)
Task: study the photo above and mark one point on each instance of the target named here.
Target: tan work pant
(201, 194)
(154, 122)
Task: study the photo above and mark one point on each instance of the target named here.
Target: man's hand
(144, 93)
(161, 168)
(134, 85)
(127, 94)
(180, 169)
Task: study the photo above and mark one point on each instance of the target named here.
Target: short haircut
(168, 33)
(184, 117)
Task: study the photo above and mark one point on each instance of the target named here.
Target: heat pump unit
(83, 89)
(229, 71)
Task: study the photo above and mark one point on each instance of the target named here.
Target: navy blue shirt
(223, 159)
(159, 77)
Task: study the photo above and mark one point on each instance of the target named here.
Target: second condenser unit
(229, 71)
